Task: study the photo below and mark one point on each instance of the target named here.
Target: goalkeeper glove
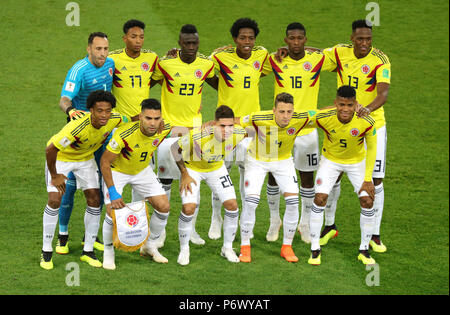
(75, 114)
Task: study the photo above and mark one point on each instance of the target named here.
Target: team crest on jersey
(354, 132)
(290, 131)
(198, 73)
(145, 66)
(155, 142)
(307, 66)
(256, 65)
(365, 69)
(131, 220)
(110, 70)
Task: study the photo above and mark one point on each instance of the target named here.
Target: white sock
(184, 229)
(168, 189)
(216, 208)
(230, 225)
(91, 225)
(273, 198)
(108, 234)
(242, 183)
(378, 205)
(330, 209)
(315, 225)
(157, 224)
(366, 223)
(49, 222)
(248, 218)
(307, 197)
(290, 219)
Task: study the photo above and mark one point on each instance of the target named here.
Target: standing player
(200, 156)
(182, 79)
(94, 72)
(134, 67)
(368, 70)
(72, 150)
(270, 151)
(126, 161)
(299, 75)
(343, 151)
(240, 69)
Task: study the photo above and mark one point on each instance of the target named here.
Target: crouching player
(343, 150)
(200, 156)
(72, 150)
(126, 161)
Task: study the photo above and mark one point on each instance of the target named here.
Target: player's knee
(366, 202)
(377, 181)
(54, 202)
(230, 205)
(321, 200)
(92, 198)
(188, 209)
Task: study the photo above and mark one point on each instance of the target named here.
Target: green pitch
(37, 50)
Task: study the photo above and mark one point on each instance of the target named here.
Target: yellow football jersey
(134, 149)
(202, 152)
(131, 80)
(362, 73)
(181, 92)
(239, 79)
(301, 79)
(344, 143)
(271, 142)
(78, 140)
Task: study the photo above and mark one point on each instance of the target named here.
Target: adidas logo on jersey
(177, 75)
(235, 67)
(123, 68)
(285, 67)
(94, 81)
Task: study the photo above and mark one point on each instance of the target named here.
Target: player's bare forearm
(105, 166)
(51, 152)
(65, 104)
(177, 156)
(380, 100)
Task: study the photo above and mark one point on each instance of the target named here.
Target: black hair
(100, 96)
(96, 34)
(188, 29)
(223, 111)
(150, 103)
(295, 26)
(346, 91)
(244, 23)
(361, 24)
(133, 23)
(285, 98)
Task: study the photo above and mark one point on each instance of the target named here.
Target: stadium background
(37, 50)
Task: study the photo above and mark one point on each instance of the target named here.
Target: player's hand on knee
(59, 181)
(369, 188)
(185, 184)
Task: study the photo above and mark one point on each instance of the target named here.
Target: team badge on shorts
(307, 66)
(246, 183)
(256, 65)
(319, 181)
(290, 131)
(132, 220)
(162, 169)
(354, 132)
(365, 69)
(145, 66)
(198, 73)
(229, 147)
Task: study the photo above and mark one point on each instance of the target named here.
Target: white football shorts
(283, 171)
(329, 171)
(219, 181)
(379, 169)
(167, 168)
(86, 174)
(306, 152)
(145, 183)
